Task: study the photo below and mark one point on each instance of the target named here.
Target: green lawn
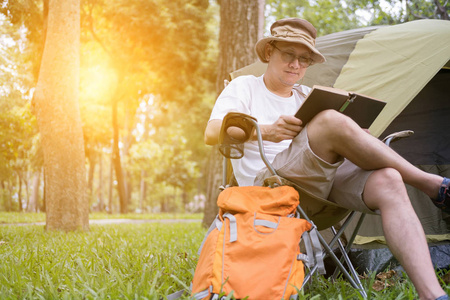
(128, 261)
(140, 261)
(14, 217)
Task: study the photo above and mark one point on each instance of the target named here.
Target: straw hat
(291, 30)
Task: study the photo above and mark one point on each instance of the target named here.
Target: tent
(408, 66)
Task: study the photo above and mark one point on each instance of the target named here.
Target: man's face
(287, 62)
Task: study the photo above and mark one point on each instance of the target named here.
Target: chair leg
(348, 262)
(346, 251)
(333, 256)
(328, 251)
(350, 241)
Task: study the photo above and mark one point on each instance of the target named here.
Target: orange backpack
(252, 248)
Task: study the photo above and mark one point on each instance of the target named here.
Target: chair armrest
(232, 145)
(397, 136)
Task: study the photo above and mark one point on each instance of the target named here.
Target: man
(332, 156)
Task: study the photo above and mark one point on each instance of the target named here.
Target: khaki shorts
(342, 182)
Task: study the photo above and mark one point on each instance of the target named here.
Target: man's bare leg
(332, 135)
(405, 237)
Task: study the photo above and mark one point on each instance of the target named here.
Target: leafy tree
(154, 47)
(31, 14)
(328, 16)
(336, 15)
(167, 162)
(17, 124)
(151, 47)
(435, 9)
(240, 28)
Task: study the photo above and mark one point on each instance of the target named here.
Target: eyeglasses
(289, 57)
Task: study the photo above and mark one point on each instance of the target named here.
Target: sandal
(443, 199)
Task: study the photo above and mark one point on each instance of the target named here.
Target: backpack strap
(176, 295)
(216, 223)
(233, 226)
(313, 250)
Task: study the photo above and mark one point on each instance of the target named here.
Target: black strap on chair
(236, 129)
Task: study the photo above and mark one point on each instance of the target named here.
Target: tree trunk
(184, 198)
(20, 194)
(143, 190)
(10, 192)
(101, 201)
(27, 190)
(441, 10)
(116, 160)
(241, 24)
(58, 115)
(143, 184)
(92, 158)
(34, 198)
(111, 181)
(3, 193)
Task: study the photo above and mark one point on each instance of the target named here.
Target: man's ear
(268, 50)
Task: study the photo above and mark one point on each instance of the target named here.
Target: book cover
(362, 109)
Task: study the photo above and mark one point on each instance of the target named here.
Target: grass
(130, 261)
(16, 217)
(139, 261)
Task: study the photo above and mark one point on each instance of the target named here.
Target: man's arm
(212, 132)
(285, 128)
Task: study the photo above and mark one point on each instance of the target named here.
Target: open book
(362, 109)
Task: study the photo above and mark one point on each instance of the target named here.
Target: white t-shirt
(249, 95)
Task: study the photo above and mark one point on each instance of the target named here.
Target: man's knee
(387, 186)
(388, 176)
(331, 120)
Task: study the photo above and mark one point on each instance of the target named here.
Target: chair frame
(351, 275)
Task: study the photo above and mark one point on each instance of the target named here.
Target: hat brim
(260, 46)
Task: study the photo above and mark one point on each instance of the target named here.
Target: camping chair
(321, 213)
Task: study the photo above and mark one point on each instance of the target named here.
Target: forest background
(150, 71)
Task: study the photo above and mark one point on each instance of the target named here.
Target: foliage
(430, 9)
(152, 55)
(337, 15)
(20, 150)
(327, 16)
(130, 50)
(17, 124)
(28, 15)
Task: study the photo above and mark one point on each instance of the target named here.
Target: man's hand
(285, 128)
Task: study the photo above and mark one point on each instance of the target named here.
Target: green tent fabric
(395, 63)
(408, 66)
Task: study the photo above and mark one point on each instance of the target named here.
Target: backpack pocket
(207, 271)
(262, 261)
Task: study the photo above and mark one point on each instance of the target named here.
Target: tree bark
(101, 201)
(116, 160)
(10, 193)
(34, 198)
(241, 24)
(143, 190)
(92, 158)
(111, 181)
(441, 11)
(20, 193)
(58, 115)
